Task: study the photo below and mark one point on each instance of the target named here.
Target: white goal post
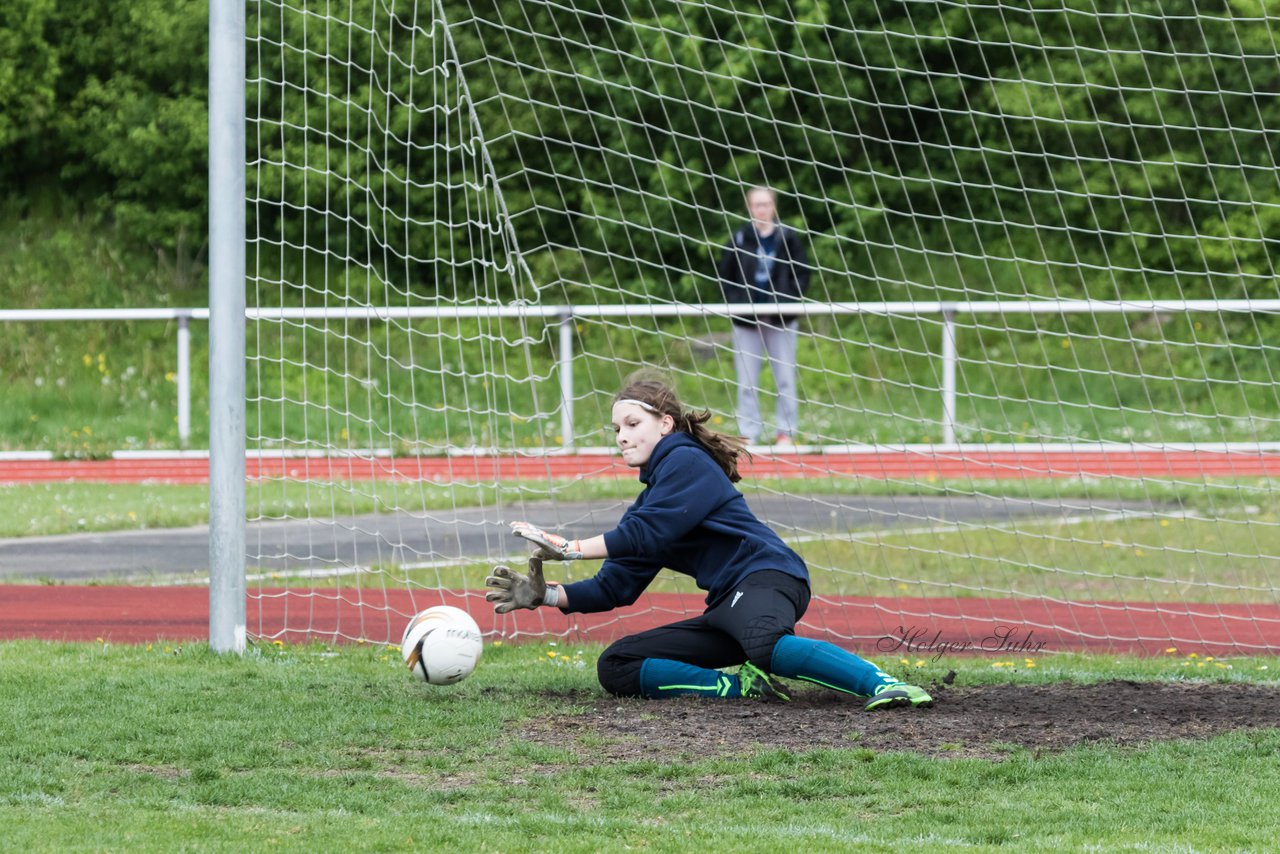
(227, 621)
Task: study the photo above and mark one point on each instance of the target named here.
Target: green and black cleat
(755, 683)
(898, 694)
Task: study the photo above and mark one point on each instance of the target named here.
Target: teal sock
(661, 677)
(826, 664)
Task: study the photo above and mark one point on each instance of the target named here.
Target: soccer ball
(442, 645)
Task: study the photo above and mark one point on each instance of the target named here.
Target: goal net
(1034, 363)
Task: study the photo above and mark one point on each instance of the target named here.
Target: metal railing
(183, 316)
(565, 316)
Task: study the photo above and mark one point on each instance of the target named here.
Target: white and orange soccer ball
(442, 645)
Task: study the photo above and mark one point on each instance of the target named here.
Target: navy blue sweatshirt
(690, 519)
(787, 276)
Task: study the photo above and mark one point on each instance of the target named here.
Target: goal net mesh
(1035, 360)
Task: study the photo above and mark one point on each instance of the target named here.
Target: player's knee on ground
(759, 639)
(619, 671)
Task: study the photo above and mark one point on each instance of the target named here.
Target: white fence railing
(565, 315)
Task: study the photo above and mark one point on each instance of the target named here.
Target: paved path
(412, 538)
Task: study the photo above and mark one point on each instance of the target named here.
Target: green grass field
(158, 748)
(58, 508)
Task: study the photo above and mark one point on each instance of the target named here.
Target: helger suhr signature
(919, 641)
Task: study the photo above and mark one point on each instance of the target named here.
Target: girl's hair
(724, 449)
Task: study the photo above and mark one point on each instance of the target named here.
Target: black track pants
(744, 626)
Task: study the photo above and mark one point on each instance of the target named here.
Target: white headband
(640, 403)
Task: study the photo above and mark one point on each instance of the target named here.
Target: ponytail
(723, 448)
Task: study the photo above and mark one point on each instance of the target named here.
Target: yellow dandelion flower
(551, 654)
(904, 661)
(920, 663)
(1172, 649)
(1164, 523)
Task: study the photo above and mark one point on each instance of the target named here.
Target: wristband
(552, 596)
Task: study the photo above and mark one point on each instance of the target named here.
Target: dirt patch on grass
(988, 721)
(164, 772)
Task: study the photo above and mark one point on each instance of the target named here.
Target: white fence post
(949, 359)
(184, 379)
(566, 382)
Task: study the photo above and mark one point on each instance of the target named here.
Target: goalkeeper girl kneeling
(690, 518)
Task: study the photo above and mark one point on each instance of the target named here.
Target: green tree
(29, 66)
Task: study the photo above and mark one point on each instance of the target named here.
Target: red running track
(140, 614)
(904, 465)
(888, 627)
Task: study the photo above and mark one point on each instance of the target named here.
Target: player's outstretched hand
(509, 589)
(550, 546)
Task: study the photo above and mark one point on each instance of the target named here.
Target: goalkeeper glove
(550, 546)
(510, 590)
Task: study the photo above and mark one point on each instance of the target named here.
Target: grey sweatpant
(751, 345)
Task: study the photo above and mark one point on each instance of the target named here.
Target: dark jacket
(787, 279)
(690, 519)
